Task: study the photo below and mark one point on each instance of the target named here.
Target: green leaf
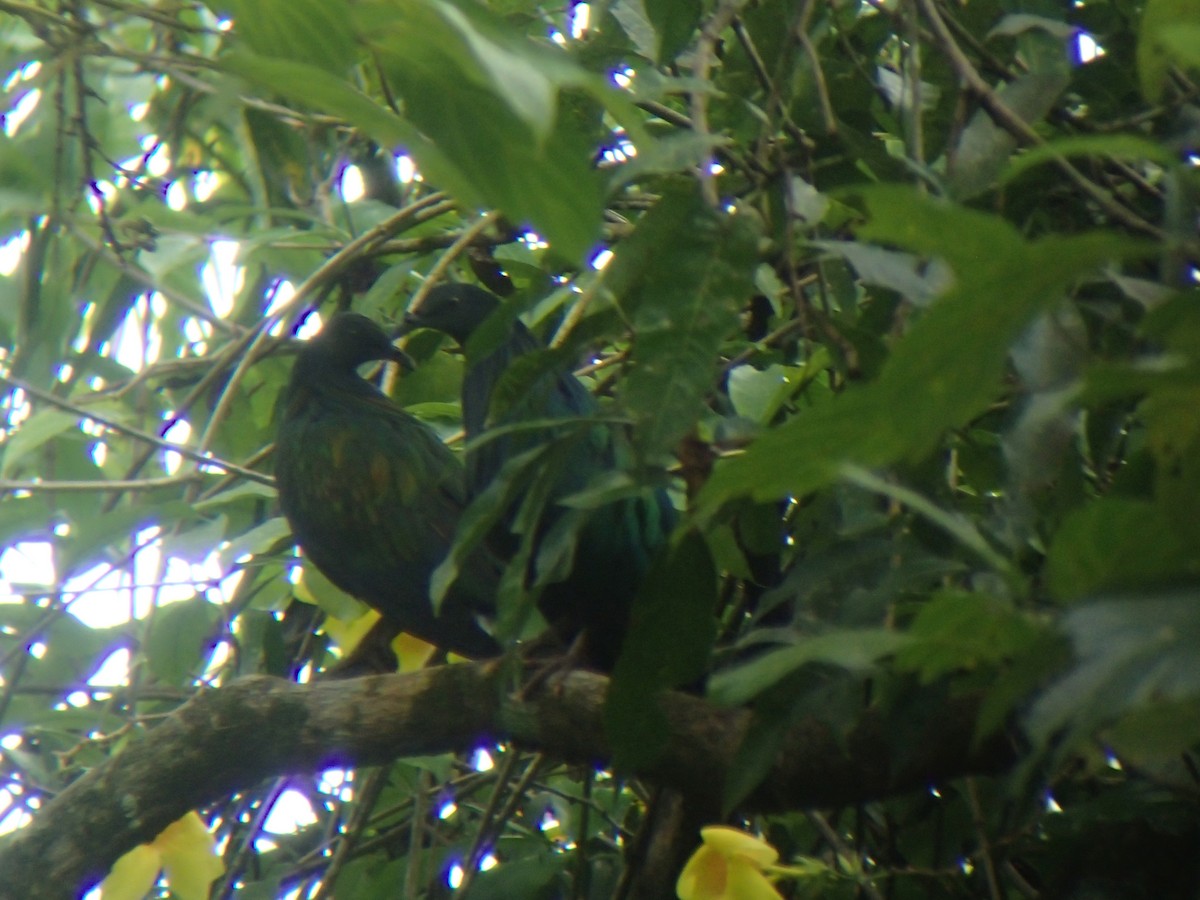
(251, 491)
(308, 31)
(757, 754)
(631, 15)
(538, 878)
(259, 539)
(1131, 655)
(495, 106)
(1016, 23)
(34, 432)
(913, 278)
(945, 371)
(332, 600)
(958, 631)
(181, 634)
(1116, 543)
(1157, 733)
(72, 650)
(1169, 34)
(314, 87)
(671, 633)
(1116, 146)
(854, 650)
(984, 147)
(675, 22)
(961, 528)
(681, 278)
(755, 394)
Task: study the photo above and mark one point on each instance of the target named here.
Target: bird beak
(402, 359)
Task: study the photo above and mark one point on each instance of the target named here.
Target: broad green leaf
(180, 636)
(317, 88)
(755, 393)
(498, 64)
(259, 539)
(913, 278)
(1117, 543)
(961, 632)
(681, 278)
(961, 528)
(317, 32)
(633, 18)
(1131, 654)
(1157, 733)
(948, 367)
(666, 155)
(496, 107)
(21, 517)
(1169, 34)
(313, 86)
(44, 425)
(1182, 44)
(671, 632)
(1016, 23)
(1116, 146)
(315, 588)
(984, 148)
(854, 650)
(675, 23)
(660, 29)
(538, 878)
(251, 491)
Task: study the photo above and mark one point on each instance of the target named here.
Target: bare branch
(231, 738)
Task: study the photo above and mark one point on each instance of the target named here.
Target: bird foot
(554, 671)
(373, 655)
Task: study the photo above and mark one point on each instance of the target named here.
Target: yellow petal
(704, 877)
(733, 842)
(189, 857)
(348, 633)
(412, 652)
(132, 875)
(747, 882)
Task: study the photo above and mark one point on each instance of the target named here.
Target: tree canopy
(896, 299)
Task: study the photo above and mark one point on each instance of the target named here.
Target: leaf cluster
(897, 299)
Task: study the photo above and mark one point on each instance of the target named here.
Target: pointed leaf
(671, 633)
(948, 367)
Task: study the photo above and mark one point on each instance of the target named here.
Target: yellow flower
(730, 865)
(412, 652)
(184, 852)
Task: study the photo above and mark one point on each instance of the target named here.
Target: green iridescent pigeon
(372, 494)
(617, 540)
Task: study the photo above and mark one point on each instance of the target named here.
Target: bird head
(350, 339)
(456, 309)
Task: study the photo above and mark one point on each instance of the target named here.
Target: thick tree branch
(231, 738)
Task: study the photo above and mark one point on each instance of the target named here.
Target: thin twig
(367, 796)
(131, 484)
(1020, 129)
(701, 63)
(136, 433)
(461, 243)
(828, 117)
(488, 817)
(842, 850)
(412, 873)
(985, 843)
